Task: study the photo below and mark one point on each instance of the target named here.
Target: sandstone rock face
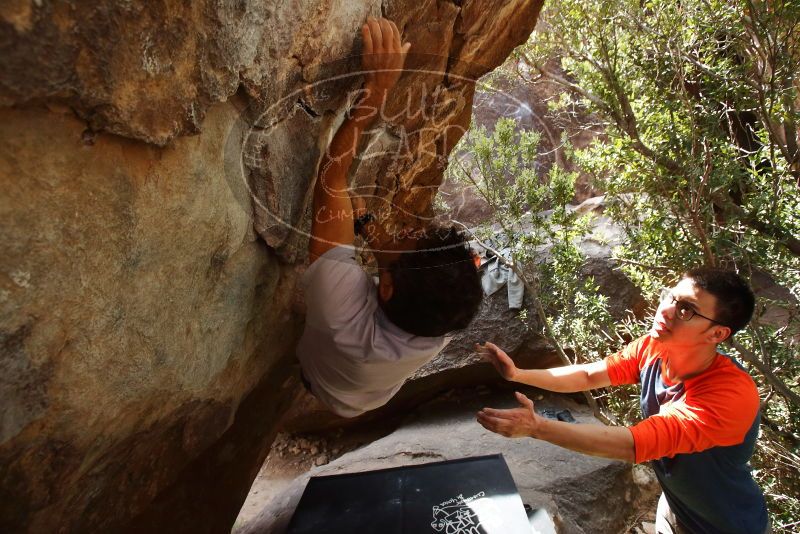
(138, 309)
(152, 71)
(583, 494)
(146, 336)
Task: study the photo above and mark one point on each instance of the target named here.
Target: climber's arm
(386, 246)
(332, 216)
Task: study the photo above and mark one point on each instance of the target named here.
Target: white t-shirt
(353, 356)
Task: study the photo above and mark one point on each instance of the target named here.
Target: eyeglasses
(683, 310)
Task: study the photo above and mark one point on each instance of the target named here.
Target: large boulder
(155, 169)
(138, 310)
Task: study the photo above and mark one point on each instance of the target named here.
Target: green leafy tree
(536, 223)
(699, 107)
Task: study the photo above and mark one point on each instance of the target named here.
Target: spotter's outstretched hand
(499, 359)
(514, 423)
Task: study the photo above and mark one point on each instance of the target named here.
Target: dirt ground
(293, 455)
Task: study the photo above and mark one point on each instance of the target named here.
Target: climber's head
(434, 289)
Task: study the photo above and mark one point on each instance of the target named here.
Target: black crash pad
(466, 496)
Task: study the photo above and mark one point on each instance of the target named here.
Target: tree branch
(737, 212)
(771, 377)
(560, 80)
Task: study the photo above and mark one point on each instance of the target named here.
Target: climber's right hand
(383, 56)
(499, 359)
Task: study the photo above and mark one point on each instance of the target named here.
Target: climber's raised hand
(384, 54)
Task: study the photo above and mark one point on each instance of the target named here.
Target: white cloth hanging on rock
(495, 274)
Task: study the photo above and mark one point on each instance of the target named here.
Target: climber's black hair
(436, 288)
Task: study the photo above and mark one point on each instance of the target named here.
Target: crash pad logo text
(455, 516)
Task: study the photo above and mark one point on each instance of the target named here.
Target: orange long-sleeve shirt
(715, 408)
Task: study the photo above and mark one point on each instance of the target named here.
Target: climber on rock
(700, 407)
(362, 341)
